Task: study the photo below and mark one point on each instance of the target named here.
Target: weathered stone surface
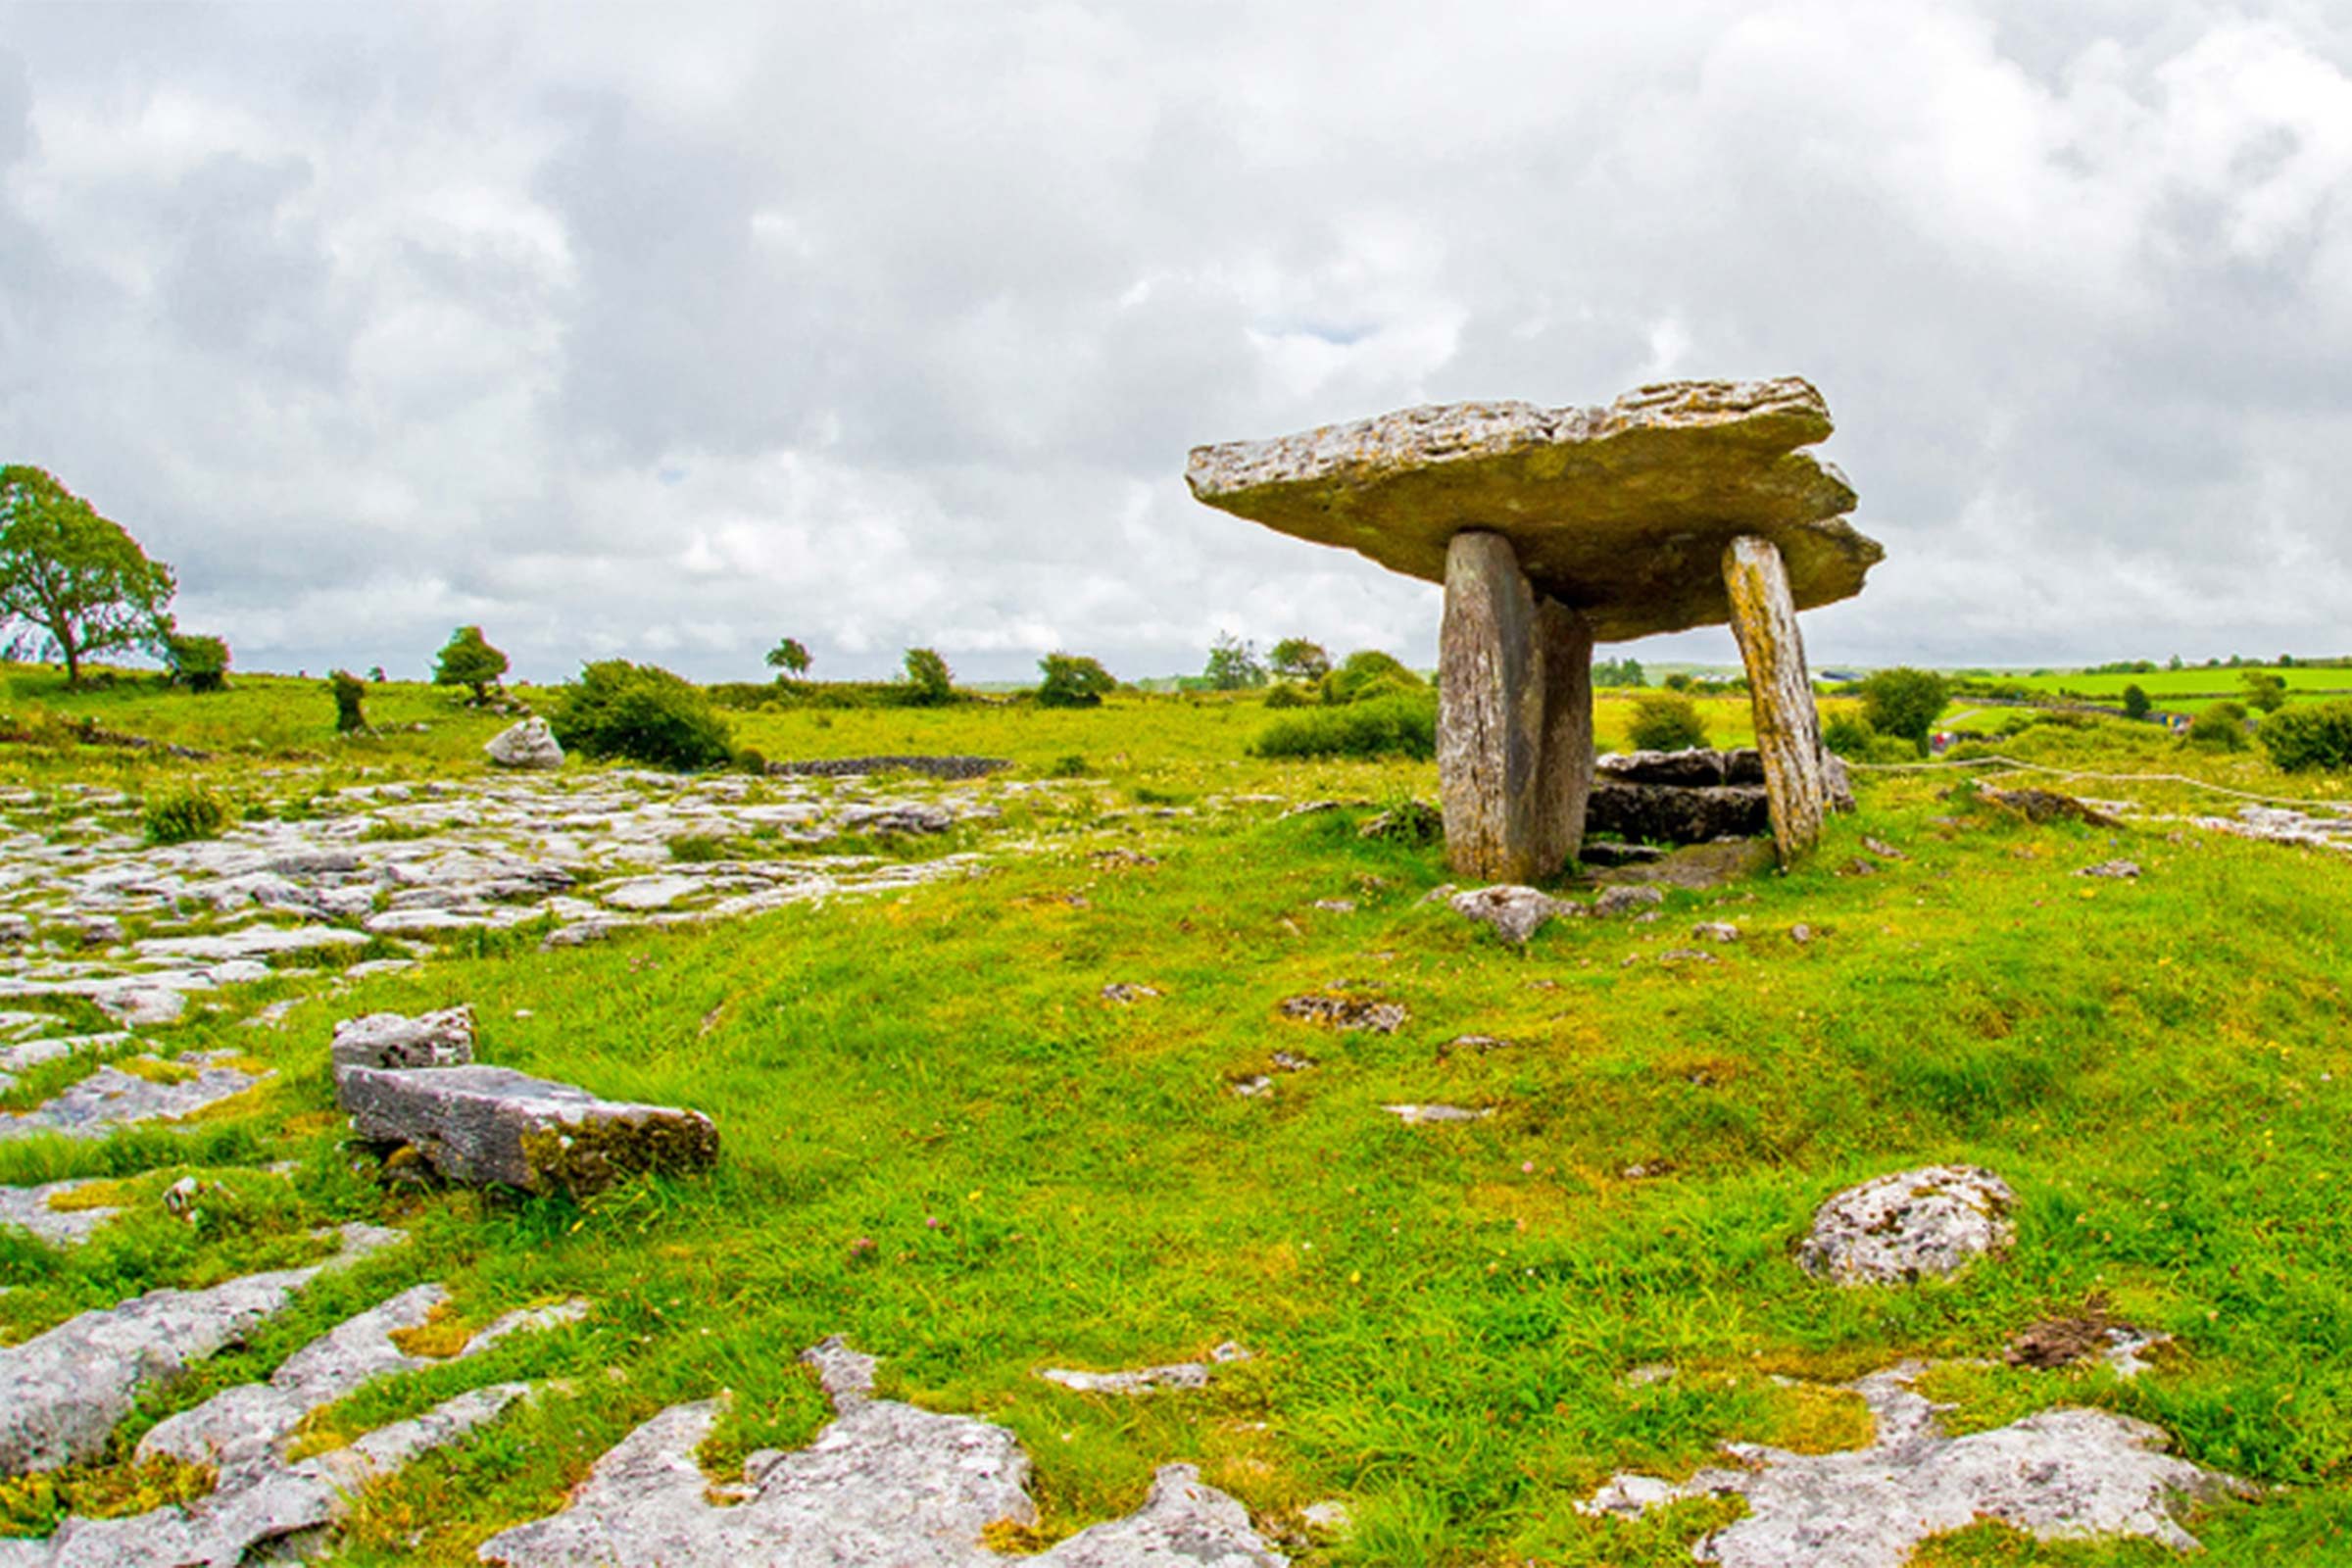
(1910, 1225)
(957, 768)
(62, 1392)
(1148, 1379)
(1341, 1011)
(1621, 513)
(1514, 914)
(2112, 870)
(527, 744)
(1695, 768)
(391, 1040)
(1412, 822)
(1413, 1115)
(885, 1486)
(112, 1097)
(1491, 730)
(27, 1207)
(1779, 691)
(1618, 900)
(2062, 1474)
(493, 1124)
(2047, 805)
(1564, 768)
(1667, 813)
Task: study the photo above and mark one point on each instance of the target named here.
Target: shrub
(1666, 721)
(2136, 703)
(1402, 725)
(1904, 702)
(1072, 681)
(2219, 728)
(929, 681)
(350, 693)
(1367, 673)
(642, 713)
(2314, 735)
(192, 811)
(1848, 735)
(1285, 694)
(469, 660)
(198, 663)
(2265, 690)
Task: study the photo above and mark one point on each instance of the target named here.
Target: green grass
(940, 1142)
(2183, 686)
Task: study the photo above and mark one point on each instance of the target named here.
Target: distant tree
(1233, 665)
(1296, 658)
(2287, 661)
(2136, 702)
(930, 680)
(2263, 690)
(1904, 703)
(2221, 727)
(1618, 672)
(350, 692)
(1679, 681)
(1073, 681)
(789, 657)
(2175, 663)
(1666, 721)
(469, 660)
(375, 673)
(198, 663)
(75, 576)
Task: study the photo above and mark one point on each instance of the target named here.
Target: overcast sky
(663, 330)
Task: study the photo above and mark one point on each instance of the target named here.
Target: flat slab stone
(27, 1207)
(113, 1097)
(494, 1124)
(1620, 512)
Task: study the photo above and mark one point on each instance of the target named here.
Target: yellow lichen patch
(1010, 1538)
(36, 1504)
(308, 1123)
(1817, 1418)
(156, 1070)
(93, 1195)
(314, 1437)
(442, 1335)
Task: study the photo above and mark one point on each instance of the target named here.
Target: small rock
(2118, 870)
(2046, 806)
(1337, 1011)
(1286, 1062)
(1253, 1087)
(1800, 933)
(1477, 1043)
(1675, 955)
(1715, 931)
(1641, 1377)
(1127, 995)
(1336, 906)
(1514, 912)
(1911, 1225)
(391, 1041)
(1331, 1517)
(1414, 822)
(1882, 849)
(1625, 899)
(1414, 1115)
(527, 744)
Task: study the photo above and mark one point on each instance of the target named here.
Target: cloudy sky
(662, 330)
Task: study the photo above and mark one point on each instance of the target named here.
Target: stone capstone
(527, 744)
(494, 1125)
(2062, 1474)
(1911, 1225)
(885, 1486)
(1622, 512)
(390, 1040)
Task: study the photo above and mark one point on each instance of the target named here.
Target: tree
(2136, 702)
(933, 683)
(1904, 703)
(789, 657)
(198, 663)
(1233, 665)
(1073, 681)
(2263, 690)
(640, 711)
(469, 660)
(1296, 658)
(350, 692)
(75, 576)
(1666, 721)
(1618, 672)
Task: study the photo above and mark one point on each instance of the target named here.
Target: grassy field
(941, 1142)
(2165, 686)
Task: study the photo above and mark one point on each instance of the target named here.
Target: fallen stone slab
(68, 1387)
(1148, 1379)
(495, 1125)
(149, 1090)
(393, 1040)
(1511, 912)
(1912, 1225)
(2062, 1474)
(886, 1485)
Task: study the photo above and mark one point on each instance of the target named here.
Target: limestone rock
(1695, 768)
(1915, 1223)
(1625, 899)
(1340, 1011)
(391, 1040)
(1698, 867)
(28, 1209)
(113, 1097)
(1621, 513)
(2062, 1474)
(1513, 912)
(527, 744)
(495, 1125)
(1668, 814)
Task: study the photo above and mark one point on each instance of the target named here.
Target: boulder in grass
(527, 744)
(1912, 1225)
(493, 1125)
(391, 1040)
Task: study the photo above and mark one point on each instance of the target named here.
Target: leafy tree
(1296, 658)
(789, 657)
(1618, 672)
(1904, 703)
(198, 663)
(2265, 691)
(2136, 702)
(76, 576)
(931, 682)
(469, 660)
(640, 711)
(1666, 721)
(1233, 665)
(1073, 681)
(350, 692)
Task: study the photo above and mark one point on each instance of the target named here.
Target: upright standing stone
(1787, 725)
(1490, 712)
(1564, 778)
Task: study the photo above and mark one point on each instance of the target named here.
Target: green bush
(1666, 721)
(1848, 735)
(2314, 735)
(198, 663)
(191, 812)
(929, 681)
(1368, 673)
(1904, 702)
(1285, 694)
(2136, 702)
(351, 693)
(1073, 681)
(2219, 728)
(642, 713)
(1401, 725)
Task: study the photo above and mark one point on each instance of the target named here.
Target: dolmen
(1686, 504)
(413, 1082)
